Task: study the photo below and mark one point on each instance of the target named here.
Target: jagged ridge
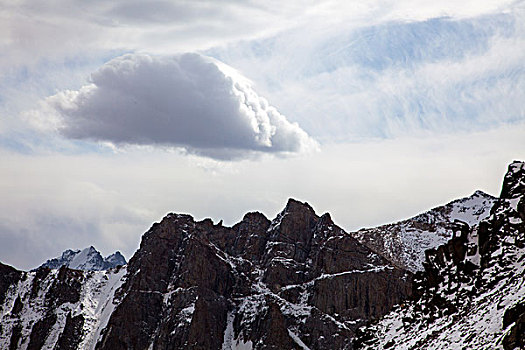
(405, 242)
(298, 279)
(471, 294)
(86, 259)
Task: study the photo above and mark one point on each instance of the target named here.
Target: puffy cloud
(188, 101)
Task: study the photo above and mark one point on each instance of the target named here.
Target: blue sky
(382, 60)
(113, 114)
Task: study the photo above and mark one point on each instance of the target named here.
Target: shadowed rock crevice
(40, 331)
(8, 277)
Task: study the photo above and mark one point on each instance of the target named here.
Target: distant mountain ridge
(86, 259)
(404, 242)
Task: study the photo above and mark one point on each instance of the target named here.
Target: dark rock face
(299, 278)
(467, 284)
(15, 337)
(507, 224)
(513, 313)
(17, 307)
(72, 334)
(513, 185)
(65, 288)
(294, 282)
(515, 338)
(40, 331)
(8, 277)
(47, 308)
(40, 276)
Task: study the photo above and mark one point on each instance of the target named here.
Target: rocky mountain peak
(480, 193)
(86, 259)
(255, 217)
(514, 182)
(115, 259)
(294, 206)
(298, 279)
(296, 282)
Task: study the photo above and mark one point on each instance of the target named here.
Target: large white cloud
(186, 100)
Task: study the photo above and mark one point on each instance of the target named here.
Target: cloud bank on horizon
(186, 100)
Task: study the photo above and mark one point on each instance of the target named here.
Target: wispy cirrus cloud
(327, 82)
(394, 78)
(62, 28)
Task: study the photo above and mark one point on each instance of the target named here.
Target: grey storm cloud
(189, 100)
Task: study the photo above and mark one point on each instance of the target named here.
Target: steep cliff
(296, 281)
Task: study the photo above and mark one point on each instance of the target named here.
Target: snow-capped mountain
(86, 259)
(472, 292)
(404, 243)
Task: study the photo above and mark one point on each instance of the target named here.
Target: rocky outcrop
(514, 317)
(14, 338)
(470, 295)
(8, 277)
(40, 331)
(72, 334)
(298, 279)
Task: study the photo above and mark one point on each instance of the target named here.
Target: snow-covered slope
(68, 307)
(405, 242)
(472, 293)
(86, 259)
